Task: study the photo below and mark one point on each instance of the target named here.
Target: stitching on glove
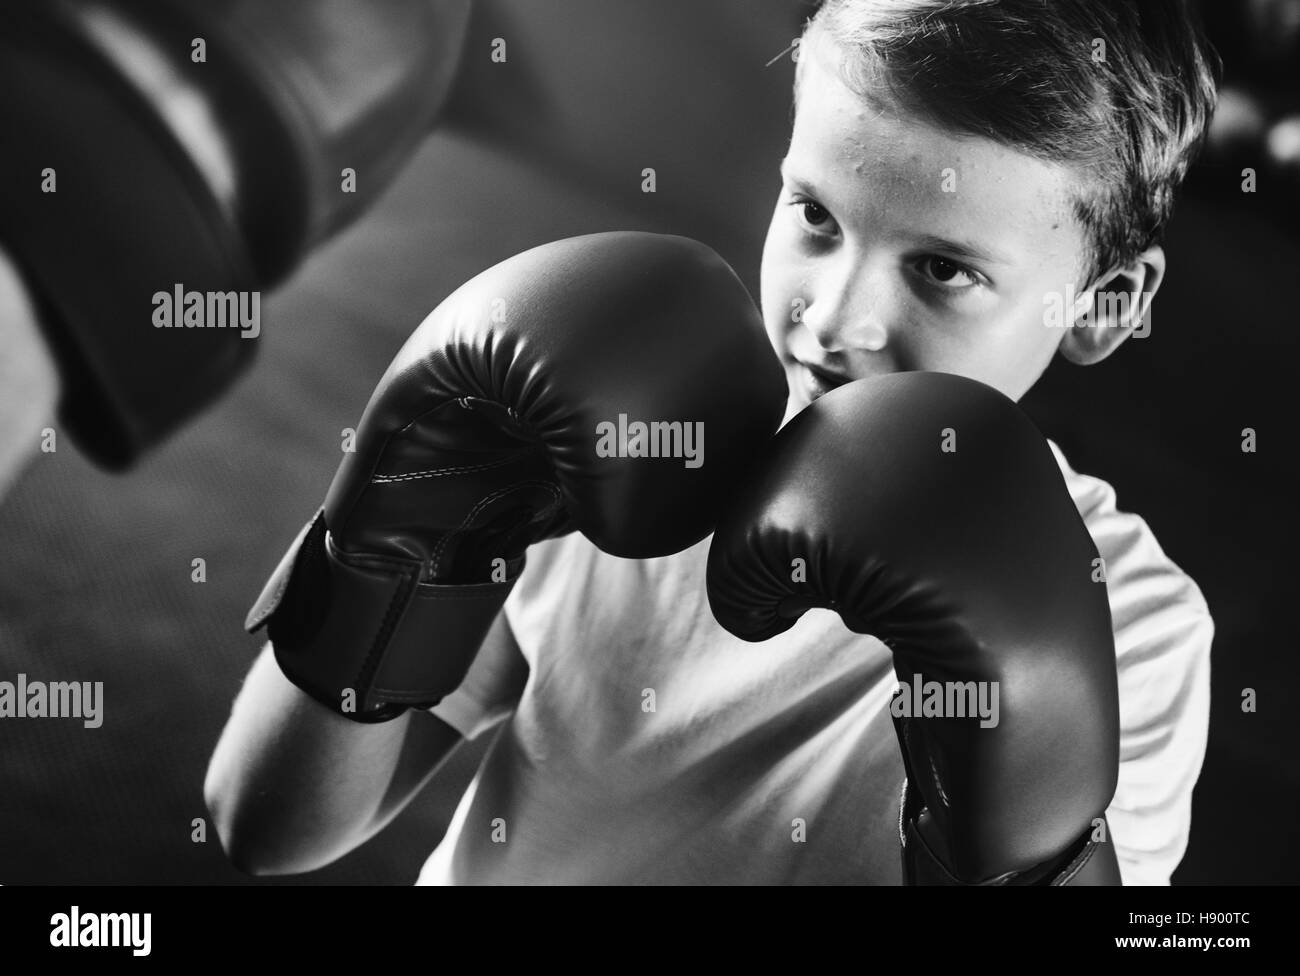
(388, 479)
(1076, 865)
(379, 648)
(422, 591)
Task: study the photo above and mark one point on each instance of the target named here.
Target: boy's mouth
(817, 381)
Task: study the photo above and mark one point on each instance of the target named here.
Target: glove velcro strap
(362, 635)
(1085, 862)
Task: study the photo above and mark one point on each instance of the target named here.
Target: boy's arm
(292, 786)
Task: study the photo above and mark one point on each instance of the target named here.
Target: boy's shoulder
(1150, 594)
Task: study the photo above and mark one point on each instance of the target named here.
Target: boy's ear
(1117, 305)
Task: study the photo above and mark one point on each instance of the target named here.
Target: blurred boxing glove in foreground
(165, 161)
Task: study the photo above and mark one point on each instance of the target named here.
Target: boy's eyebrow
(790, 176)
(959, 249)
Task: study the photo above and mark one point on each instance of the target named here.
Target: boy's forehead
(861, 154)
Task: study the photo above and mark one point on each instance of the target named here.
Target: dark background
(95, 568)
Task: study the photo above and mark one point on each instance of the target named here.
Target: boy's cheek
(783, 309)
(776, 327)
(776, 302)
(777, 262)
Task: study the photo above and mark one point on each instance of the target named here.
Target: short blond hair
(1122, 91)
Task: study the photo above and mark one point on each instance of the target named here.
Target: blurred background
(95, 568)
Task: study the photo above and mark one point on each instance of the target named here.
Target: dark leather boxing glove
(929, 512)
(137, 166)
(500, 423)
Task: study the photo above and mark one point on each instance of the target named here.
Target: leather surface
(971, 565)
(365, 625)
(517, 368)
(481, 438)
(1087, 862)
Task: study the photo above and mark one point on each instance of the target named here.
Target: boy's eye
(814, 213)
(948, 274)
(814, 216)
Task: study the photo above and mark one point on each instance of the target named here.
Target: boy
(955, 172)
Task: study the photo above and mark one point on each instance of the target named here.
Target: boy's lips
(818, 380)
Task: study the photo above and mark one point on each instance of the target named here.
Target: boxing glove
(194, 145)
(568, 388)
(928, 511)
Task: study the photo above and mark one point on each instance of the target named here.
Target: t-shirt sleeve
(491, 688)
(1163, 632)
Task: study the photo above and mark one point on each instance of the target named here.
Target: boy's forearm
(291, 786)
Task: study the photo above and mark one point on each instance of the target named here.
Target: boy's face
(898, 246)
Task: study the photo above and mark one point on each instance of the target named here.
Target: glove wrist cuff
(1085, 862)
(362, 635)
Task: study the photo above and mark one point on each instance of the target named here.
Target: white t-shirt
(650, 746)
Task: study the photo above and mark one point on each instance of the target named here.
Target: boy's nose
(839, 327)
